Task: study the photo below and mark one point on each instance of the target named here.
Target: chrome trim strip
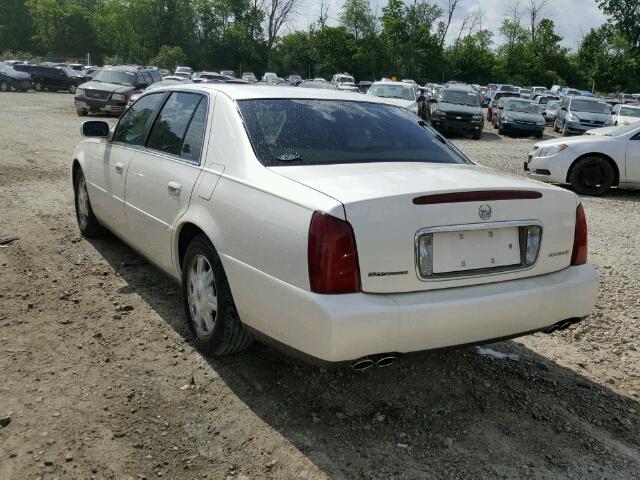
(490, 271)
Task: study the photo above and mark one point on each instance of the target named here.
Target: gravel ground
(99, 379)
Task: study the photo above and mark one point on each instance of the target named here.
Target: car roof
(254, 92)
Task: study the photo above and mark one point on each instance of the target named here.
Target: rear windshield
(629, 112)
(115, 76)
(460, 97)
(318, 132)
(589, 106)
(403, 92)
(524, 107)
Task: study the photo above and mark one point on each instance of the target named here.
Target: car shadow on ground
(444, 414)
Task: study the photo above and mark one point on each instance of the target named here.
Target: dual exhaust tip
(562, 325)
(380, 361)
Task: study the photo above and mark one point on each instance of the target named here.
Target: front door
(111, 163)
(162, 175)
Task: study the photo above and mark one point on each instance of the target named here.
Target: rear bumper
(339, 328)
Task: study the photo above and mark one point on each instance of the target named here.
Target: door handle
(174, 187)
(119, 167)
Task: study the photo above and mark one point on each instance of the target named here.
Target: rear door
(162, 175)
(633, 160)
(110, 165)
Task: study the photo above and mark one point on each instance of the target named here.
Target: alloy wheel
(83, 202)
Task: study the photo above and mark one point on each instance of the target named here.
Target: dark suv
(49, 77)
(457, 109)
(111, 88)
(12, 80)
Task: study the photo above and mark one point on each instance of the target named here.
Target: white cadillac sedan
(337, 227)
(591, 164)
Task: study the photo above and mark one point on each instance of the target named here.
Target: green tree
(169, 57)
(357, 19)
(15, 26)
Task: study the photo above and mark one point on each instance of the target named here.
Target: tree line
(410, 39)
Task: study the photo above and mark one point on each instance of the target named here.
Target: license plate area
(477, 249)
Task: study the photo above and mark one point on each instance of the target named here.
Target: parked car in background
(165, 82)
(313, 84)
(494, 102)
(519, 115)
(270, 78)
(12, 80)
(209, 77)
(401, 94)
(457, 109)
(566, 91)
(625, 114)
(347, 87)
(110, 90)
(526, 93)
(294, 80)
(319, 79)
(579, 114)
(591, 164)
(364, 86)
(183, 72)
(177, 77)
(537, 90)
(249, 77)
(550, 110)
(164, 72)
(626, 98)
(339, 78)
(228, 73)
(334, 226)
(48, 77)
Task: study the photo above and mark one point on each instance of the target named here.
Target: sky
(573, 18)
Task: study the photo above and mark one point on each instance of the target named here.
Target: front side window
(316, 132)
(132, 127)
(170, 126)
(629, 112)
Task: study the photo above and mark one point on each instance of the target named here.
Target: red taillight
(580, 248)
(332, 255)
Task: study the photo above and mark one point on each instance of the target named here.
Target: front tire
(4, 87)
(37, 87)
(72, 89)
(87, 222)
(81, 112)
(592, 176)
(209, 308)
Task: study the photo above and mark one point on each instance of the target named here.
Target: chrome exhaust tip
(362, 364)
(385, 361)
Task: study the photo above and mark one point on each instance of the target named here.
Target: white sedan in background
(337, 227)
(591, 164)
(625, 114)
(400, 93)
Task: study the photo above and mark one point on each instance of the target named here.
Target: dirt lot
(99, 380)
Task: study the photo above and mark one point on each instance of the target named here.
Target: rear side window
(171, 124)
(134, 124)
(317, 132)
(192, 144)
(155, 75)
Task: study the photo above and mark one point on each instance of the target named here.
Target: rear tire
(87, 222)
(539, 134)
(72, 89)
(565, 132)
(37, 87)
(81, 112)
(555, 127)
(477, 135)
(4, 87)
(592, 176)
(209, 308)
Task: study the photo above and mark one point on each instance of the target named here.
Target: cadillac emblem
(485, 212)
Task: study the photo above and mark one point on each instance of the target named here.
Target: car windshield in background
(460, 97)
(630, 112)
(589, 106)
(116, 76)
(553, 105)
(318, 132)
(6, 69)
(524, 107)
(393, 91)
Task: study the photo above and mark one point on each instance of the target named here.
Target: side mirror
(433, 100)
(501, 108)
(95, 128)
(563, 108)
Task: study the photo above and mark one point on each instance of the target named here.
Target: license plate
(475, 249)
